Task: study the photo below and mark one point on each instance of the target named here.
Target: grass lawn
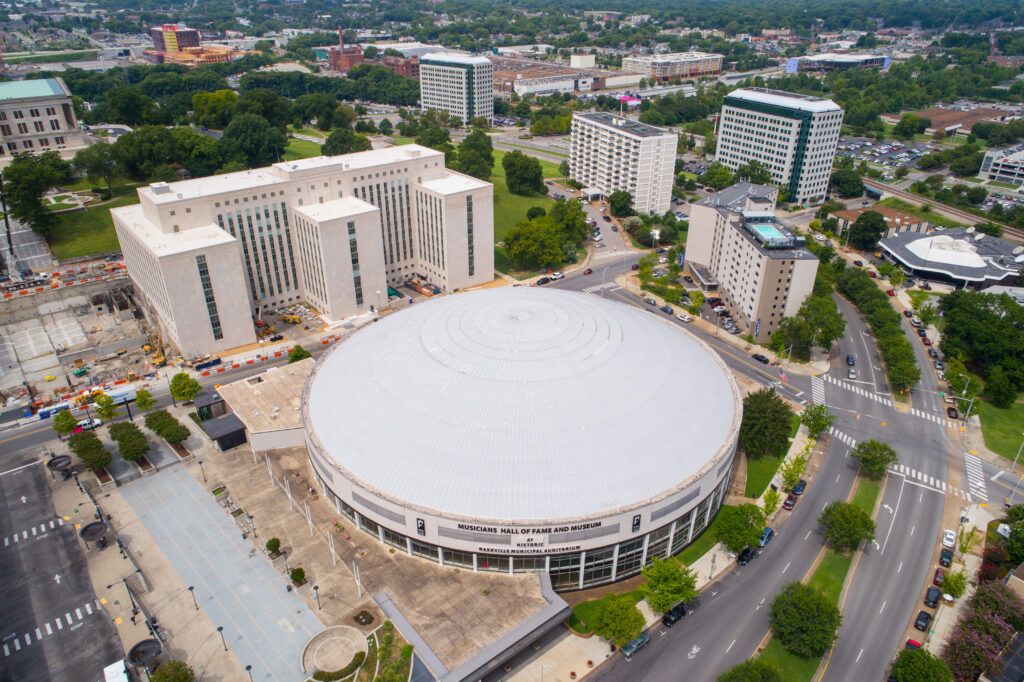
(584, 611)
(301, 149)
(794, 668)
(309, 132)
(831, 572)
(933, 217)
(1002, 429)
(542, 150)
(759, 474)
(403, 140)
(510, 208)
(92, 230)
(867, 493)
(996, 183)
(971, 179)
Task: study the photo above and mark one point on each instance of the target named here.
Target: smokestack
(341, 38)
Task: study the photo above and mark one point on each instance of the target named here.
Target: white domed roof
(522, 403)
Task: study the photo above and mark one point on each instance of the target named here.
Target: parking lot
(890, 153)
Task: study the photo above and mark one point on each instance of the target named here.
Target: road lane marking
(730, 646)
(882, 609)
(900, 568)
(858, 656)
(49, 630)
(786, 568)
(808, 535)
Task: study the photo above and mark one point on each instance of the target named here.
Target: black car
(667, 309)
(922, 332)
(799, 488)
(544, 280)
(674, 615)
(851, 360)
(636, 266)
(746, 556)
(277, 337)
(932, 596)
(946, 557)
(907, 313)
(922, 621)
(606, 219)
(760, 358)
(932, 353)
(858, 263)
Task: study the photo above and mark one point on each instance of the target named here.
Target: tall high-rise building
(334, 232)
(794, 135)
(459, 84)
(171, 38)
(610, 153)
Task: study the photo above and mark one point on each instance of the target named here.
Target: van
(636, 645)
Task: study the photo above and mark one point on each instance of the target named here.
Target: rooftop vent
(160, 188)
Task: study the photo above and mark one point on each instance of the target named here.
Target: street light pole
(192, 591)
(248, 669)
(220, 629)
(1011, 468)
(316, 595)
(201, 469)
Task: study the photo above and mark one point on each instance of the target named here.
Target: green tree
(476, 156)
(533, 244)
(297, 354)
(846, 525)
(274, 545)
(766, 423)
(999, 388)
(740, 526)
(928, 314)
(666, 583)
(535, 212)
(916, 665)
(874, 457)
(253, 141)
(804, 620)
(620, 203)
(906, 128)
(478, 122)
(770, 501)
(792, 469)
(184, 387)
(275, 110)
(173, 671)
(144, 400)
(955, 584)
(26, 178)
(213, 109)
(106, 408)
(817, 418)
(64, 423)
(752, 670)
(617, 619)
(847, 183)
(867, 230)
(385, 127)
(131, 442)
(345, 141)
(755, 172)
(297, 575)
(523, 173)
(88, 447)
(98, 163)
(563, 169)
(718, 176)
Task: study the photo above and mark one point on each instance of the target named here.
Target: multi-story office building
(739, 249)
(459, 84)
(663, 67)
(612, 153)
(334, 232)
(37, 116)
(794, 135)
(171, 38)
(831, 61)
(1004, 165)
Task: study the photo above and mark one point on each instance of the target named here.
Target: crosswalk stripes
(850, 386)
(929, 481)
(615, 253)
(975, 477)
(849, 440)
(13, 645)
(34, 530)
(817, 390)
(604, 285)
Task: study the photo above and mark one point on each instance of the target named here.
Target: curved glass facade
(569, 571)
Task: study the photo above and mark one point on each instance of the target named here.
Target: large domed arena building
(522, 429)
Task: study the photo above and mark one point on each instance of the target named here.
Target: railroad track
(1009, 231)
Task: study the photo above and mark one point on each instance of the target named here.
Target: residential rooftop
(734, 197)
(626, 125)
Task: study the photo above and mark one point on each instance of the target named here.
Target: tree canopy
(26, 178)
(523, 173)
(666, 583)
(766, 423)
(617, 619)
(184, 387)
(874, 457)
(867, 230)
(846, 525)
(804, 620)
(740, 526)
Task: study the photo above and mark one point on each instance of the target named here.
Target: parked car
(597, 237)
(858, 263)
(746, 556)
(937, 363)
(650, 301)
(922, 332)
(891, 292)
(926, 341)
(914, 322)
(946, 558)
(952, 414)
(277, 337)
(760, 358)
(932, 596)
(799, 488)
(851, 373)
(922, 621)
(683, 317)
(90, 423)
(790, 502)
(912, 644)
(948, 538)
(555, 276)
(907, 313)
(937, 580)
(606, 219)
(543, 280)
(615, 228)
(819, 238)
(667, 309)
(660, 249)
(766, 536)
(932, 353)
(636, 645)
(636, 266)
(674, 615)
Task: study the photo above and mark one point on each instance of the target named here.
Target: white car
(557, 275)
(598, 238)
(819, 237)
(683, 317)
(948, 538)
(90, 423)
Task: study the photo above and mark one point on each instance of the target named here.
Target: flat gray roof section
(269, 401)
(627, 125)
(223, 426)
(958, 253)
(735, 196)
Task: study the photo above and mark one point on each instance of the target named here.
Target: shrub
(166, 426)
(274, 545)
(804, 620)
(995, 554)
(331, 675)
(298, 575)
(988, 572)
(131, 442)
(388, 626)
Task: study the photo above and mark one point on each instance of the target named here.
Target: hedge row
(331, 675)
(166, 426)
(900, 363)
(131, 442)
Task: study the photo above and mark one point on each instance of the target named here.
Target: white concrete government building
(205, 255)
(610, 153)
(794, 135)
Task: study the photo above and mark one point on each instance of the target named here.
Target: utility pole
(7, 226)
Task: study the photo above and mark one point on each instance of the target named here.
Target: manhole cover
(363, 618)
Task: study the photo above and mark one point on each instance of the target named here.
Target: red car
(926, 341)
(891, 292)
(938, 577)
(587, 271)
(952, 413)
(790, 502)
(871, 274)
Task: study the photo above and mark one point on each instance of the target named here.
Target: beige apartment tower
(206, 255)
(462, 85)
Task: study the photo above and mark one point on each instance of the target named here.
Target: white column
(583, 562)
(615, 561)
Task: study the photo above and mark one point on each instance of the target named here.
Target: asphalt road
(53, 627)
